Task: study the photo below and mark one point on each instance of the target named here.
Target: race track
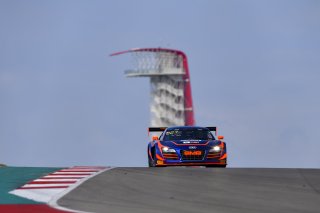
(186, 190)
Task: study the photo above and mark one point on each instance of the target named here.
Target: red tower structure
(171, 97)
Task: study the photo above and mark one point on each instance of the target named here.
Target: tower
(171, 99)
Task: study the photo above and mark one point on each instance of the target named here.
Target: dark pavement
(186, 190)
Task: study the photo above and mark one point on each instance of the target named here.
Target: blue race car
(186, 146)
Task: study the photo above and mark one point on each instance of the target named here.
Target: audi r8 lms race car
(186, 146)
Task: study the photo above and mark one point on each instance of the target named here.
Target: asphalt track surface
(186, 190)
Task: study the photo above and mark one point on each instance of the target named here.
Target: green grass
(13, 177)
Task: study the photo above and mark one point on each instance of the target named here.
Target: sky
(254, 66)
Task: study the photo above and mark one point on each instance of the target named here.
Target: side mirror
(155, 138)
(220, 137)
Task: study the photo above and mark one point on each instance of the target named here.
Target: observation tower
(171, 99)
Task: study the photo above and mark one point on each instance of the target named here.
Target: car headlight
(215, 149)
(168, 150)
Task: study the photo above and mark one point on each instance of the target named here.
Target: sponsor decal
(159, 162)
(192, 153)
(187, 142)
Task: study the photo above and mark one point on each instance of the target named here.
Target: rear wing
(156, 129)
(161, 129)
(213, 129)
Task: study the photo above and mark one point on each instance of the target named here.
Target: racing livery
(186, 146)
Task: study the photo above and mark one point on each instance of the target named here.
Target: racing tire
(152, 163)
(217, 166)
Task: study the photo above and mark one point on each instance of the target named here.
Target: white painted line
(38, 195)
(54, 180)
(71, 173)
(42, 190)
(80, 170)
(54, 201)
(88, 167)
(55, 176)
(44, 185)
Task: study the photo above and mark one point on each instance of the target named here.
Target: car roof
(186, 127)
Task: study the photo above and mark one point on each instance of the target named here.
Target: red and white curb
(50, 188)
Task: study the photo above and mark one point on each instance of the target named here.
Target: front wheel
(151, 163)
(217, 166)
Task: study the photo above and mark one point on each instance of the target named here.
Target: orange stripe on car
(160, 146)
(222, 145)
(223, 156)
(159, 157)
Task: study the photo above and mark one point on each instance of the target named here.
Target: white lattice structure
(171, 101)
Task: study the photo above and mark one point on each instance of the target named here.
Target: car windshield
(188, 134)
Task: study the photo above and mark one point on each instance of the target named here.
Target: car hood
(179, 143)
